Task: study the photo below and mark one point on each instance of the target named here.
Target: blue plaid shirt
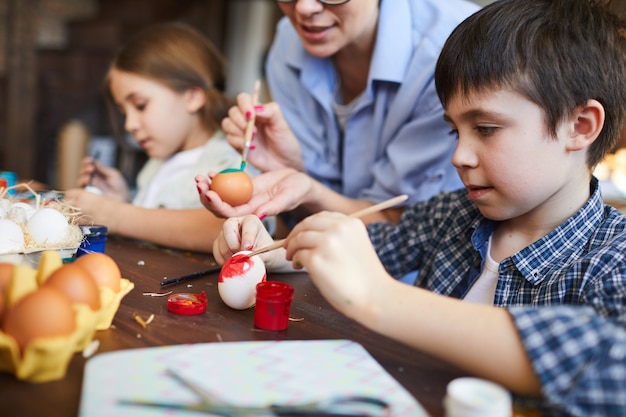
(579, 357)
(582, 261)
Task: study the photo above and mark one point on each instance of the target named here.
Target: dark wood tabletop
(146, 266)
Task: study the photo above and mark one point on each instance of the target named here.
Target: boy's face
(508, 162)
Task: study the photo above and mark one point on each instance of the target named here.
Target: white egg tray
(31, 256)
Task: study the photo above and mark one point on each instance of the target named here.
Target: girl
(168, 83)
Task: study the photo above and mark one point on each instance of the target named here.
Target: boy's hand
(336, 251)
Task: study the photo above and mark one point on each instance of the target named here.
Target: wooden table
(423, 376)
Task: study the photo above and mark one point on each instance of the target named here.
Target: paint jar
(94, 239)
(273, 304)
(8, 179)
(475, 397)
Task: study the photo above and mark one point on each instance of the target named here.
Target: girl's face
(511, 166)
(326, 29)
(162, 121)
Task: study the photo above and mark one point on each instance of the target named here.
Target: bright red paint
(236, 265)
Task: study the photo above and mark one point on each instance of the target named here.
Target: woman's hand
(274, 192)
(109, 181)
(275, 145)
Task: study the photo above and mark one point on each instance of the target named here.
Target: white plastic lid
(475, 397)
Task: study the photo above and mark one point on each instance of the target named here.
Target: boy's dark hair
(557, 53)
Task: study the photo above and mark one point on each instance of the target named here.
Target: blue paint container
(8, 179)
(94, 240)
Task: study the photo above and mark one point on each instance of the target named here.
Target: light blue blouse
(396, 141)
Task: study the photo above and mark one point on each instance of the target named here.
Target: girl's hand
(109, 181)
(274, 192)
(336, 251)
(246, 233)
(275, 145)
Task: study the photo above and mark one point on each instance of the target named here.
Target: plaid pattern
(579, 357)
(582, 261)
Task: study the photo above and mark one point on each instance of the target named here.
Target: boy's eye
(454, 132)
(141, 106)
(486, 130)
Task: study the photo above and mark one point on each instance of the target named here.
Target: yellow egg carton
(46, 359)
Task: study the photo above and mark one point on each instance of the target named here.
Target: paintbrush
(198, 274)
(247, 138)
(95, 159)
(361, 213)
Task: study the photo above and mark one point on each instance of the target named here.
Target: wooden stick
(250, 126)
(361, 213)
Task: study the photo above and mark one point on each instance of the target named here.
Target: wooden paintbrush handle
(361, 213)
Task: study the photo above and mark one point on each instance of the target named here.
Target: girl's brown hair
(181, 58)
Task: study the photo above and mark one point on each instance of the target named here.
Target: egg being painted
(238, 279)
(233, 186)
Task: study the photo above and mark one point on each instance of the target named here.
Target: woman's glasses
(329, 2)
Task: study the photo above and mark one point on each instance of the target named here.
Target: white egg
(11, 237)
(20, 205)
(238, 279)
(5, 206)
(48, 226)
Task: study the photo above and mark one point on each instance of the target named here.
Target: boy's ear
(587, 123)
(196, 98)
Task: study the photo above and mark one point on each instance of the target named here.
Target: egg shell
(102, 268)
(233, 187)
(238, 278)
(45, 312)
(21, 210)
(48, 226)
(76, 283)
(11, 236)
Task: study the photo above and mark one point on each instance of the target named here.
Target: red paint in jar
(273, 305)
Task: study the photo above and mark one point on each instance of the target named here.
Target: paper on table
(245, 373)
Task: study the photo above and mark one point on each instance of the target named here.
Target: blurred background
(54, 55)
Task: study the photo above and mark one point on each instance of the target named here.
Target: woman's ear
(196, 98)
(587, 122)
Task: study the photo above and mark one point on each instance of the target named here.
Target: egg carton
(31, 257)
(47, 358)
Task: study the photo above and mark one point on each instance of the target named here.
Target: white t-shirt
(484, 289)
(170, 183)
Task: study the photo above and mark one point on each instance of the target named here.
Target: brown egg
(76, 283)
(233, 186)
(44, 312)
(102, 269)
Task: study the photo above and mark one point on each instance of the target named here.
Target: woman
(355, 109)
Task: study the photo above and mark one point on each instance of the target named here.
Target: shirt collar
(388, 63)
(561, 244)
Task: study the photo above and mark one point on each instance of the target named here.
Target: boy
(536, 93)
